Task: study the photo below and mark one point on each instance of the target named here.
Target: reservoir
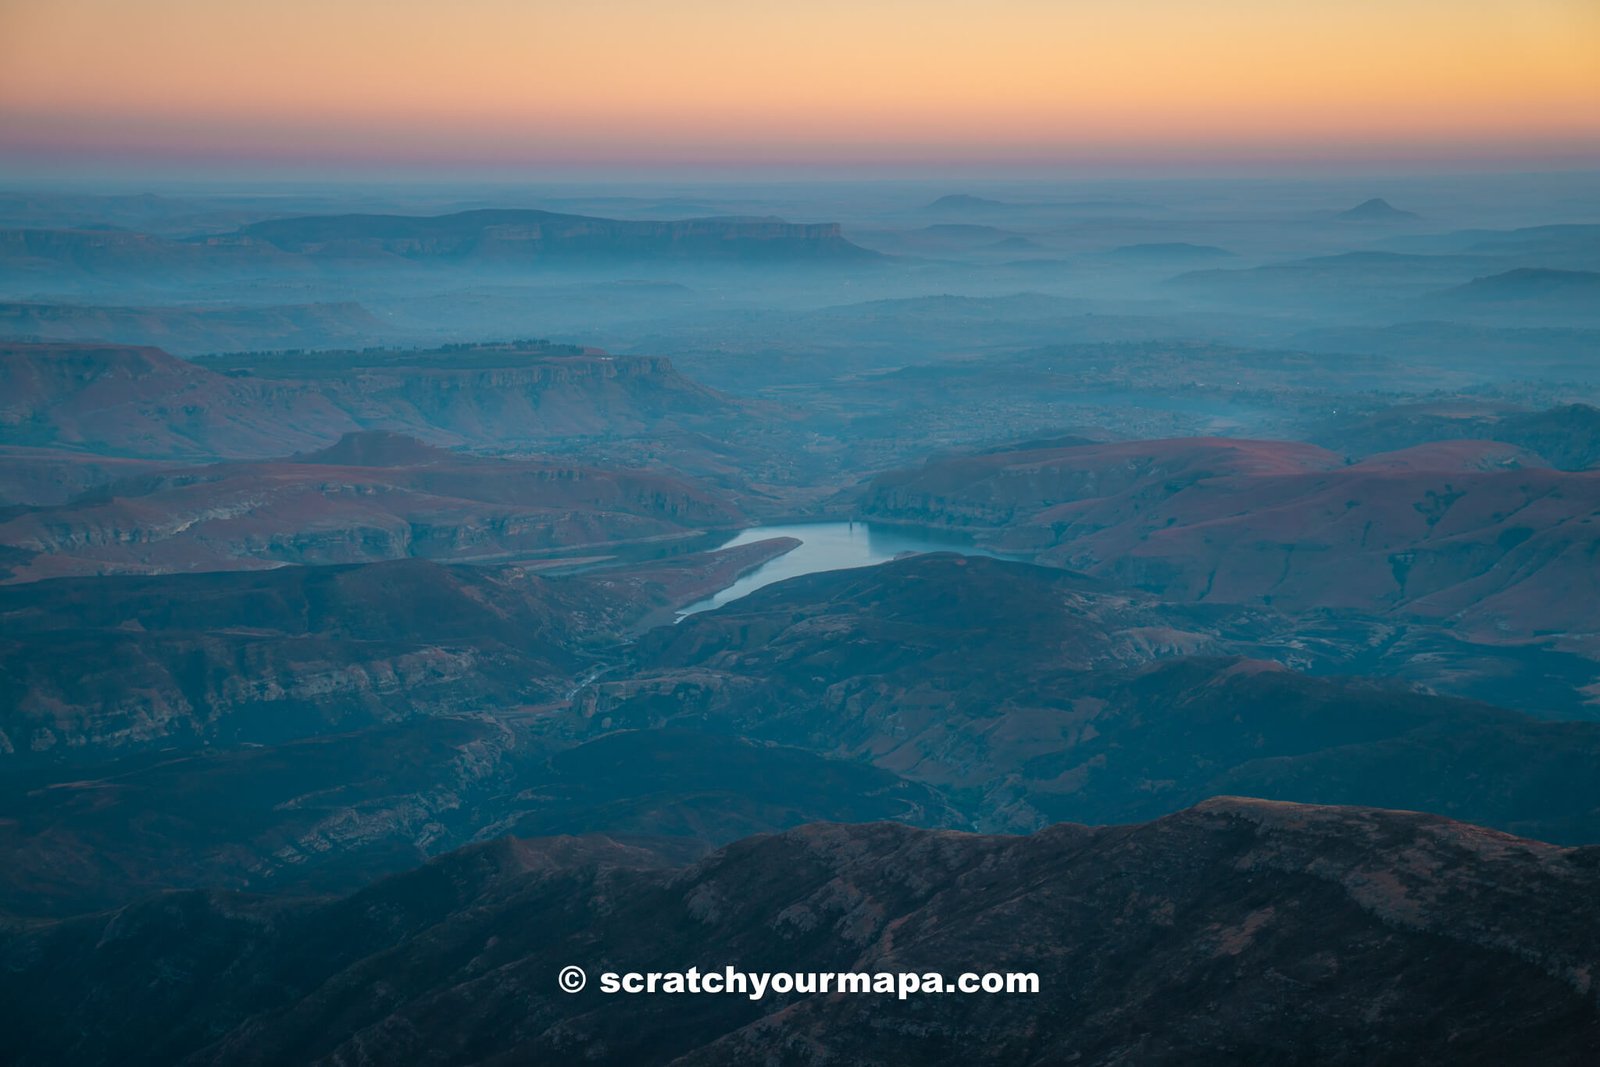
(831, 546)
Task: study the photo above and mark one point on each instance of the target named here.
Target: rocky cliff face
(1236, 930)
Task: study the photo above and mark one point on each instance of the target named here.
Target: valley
(1182, 591)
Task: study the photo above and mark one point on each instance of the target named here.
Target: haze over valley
(511, 515)
(334, 543)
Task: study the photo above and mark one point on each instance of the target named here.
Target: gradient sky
(759, 81)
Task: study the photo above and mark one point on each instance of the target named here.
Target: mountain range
(1092, 704)
(525, 234)
(307, 245)
(1238, 930)
(1216, 637)
(373, 495)
(122, 400)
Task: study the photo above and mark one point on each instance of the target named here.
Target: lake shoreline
(830, 545)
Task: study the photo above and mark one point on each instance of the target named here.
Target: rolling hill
(1477, 533)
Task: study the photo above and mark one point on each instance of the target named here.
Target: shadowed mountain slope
(1237, 930)
(1566, 437)
(190, 660)
(1030, 696)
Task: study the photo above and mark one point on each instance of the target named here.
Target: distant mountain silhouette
(1017, 241)
(133, 401)
(964, 231)
(1530, 284)
(197, 329)
(1377, 210)
(506, 234)
(964, 202)
(496, 237)
(1171, 251)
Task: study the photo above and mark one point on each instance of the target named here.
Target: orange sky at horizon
(651, 81)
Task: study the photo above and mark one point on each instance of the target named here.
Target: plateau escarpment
(486, 240)
(371, 496)
(348, 694)
(129, 401)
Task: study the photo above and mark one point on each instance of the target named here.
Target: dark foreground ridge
(1236, 931)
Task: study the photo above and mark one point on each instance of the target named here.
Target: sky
(758, 82)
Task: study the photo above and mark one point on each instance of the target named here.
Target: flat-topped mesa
(133, 401)
(533, 234)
